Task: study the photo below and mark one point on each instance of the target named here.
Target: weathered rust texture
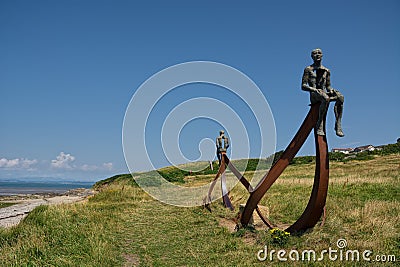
(317, 200)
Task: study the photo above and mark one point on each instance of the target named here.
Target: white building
(342, 150)
(364, 148)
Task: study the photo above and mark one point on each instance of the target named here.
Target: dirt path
(12, 215)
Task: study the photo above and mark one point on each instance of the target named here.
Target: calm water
(23, 187)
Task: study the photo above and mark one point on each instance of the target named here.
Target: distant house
(364, 148)
(342, 150)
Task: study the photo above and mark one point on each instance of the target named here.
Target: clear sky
(68, 70)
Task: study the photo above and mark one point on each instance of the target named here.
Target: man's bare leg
(324, 99)
(338, 109)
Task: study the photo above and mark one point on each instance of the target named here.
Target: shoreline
(25, 203)
(33, 187)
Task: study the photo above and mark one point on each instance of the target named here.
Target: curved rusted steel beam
(317, 200)
(235, 171)
(224, 189)
(316, 204)
(242, 179)
(225, 192)
(247, 185)
(208, 199)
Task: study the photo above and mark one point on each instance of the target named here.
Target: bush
(390, 149)
(337, 156)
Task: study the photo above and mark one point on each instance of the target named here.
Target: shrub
(279, 236)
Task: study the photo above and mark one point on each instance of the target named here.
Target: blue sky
(68, 70)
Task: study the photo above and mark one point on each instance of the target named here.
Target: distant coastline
(18, 187)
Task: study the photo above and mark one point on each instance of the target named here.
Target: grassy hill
(177, 174)
(123, 226)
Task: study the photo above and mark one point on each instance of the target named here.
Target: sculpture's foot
(320, 132)
(339, 131)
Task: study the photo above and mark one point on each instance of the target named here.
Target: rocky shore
(23, 204)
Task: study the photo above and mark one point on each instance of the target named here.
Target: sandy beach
(12, 215)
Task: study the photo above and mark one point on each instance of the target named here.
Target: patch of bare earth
(228, 224)
(131, 260)
(249, 237)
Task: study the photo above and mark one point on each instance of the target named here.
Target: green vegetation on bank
(123, 226)
(6, 204)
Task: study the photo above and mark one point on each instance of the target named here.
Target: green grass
(123, 226)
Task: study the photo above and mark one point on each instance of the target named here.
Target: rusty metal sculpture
(316, 203)
(317, 200)
(316, 80)
(225, 197)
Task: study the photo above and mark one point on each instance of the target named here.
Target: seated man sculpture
(316, 80)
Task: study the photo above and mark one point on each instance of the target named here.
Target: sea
(17, 187)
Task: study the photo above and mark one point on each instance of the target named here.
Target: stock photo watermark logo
(139, 137)
(339, 253)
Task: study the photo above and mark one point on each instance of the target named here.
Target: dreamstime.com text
(332, 254)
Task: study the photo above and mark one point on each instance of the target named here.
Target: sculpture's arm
(226, 142)
(304, 82)
(328, 82)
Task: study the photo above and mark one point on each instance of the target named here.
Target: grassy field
(123, 226)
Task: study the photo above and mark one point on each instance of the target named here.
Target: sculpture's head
(316, 54)
(221, 132)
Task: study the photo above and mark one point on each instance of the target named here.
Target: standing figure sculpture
(316, 80)
(221, 147)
